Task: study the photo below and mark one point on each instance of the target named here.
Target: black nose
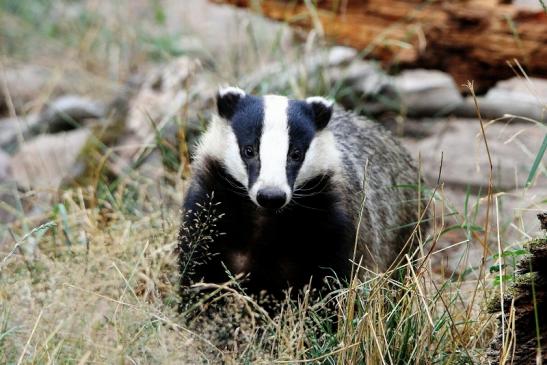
(271, 198)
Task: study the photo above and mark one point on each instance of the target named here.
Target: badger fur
(298, 188)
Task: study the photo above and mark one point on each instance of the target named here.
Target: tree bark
(524, 311)
(471, 40)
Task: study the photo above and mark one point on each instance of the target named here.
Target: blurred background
(101, 103)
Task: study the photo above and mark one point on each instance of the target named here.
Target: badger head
(271, 144)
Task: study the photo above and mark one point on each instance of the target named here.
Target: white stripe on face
(220, 142)
(322, 156)
(274, 146)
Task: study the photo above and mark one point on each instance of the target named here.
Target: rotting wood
(471, 40)
(523, 310)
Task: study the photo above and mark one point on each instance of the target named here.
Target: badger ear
(322, 110)
(227, 99)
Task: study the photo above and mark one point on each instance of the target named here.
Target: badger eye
(295, 155)
(249, 151)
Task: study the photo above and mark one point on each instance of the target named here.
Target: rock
(31, 86)
(7, 208)
(24, 83)
(521, 206)
(63, 114)
(282, 76)
(365, 77)
(13, 128)
(531, 5)
(340, 55)
(5, 166)
(513, 148)
(224, 33)
(516, 212)
(368, 85)
(427, 92)
(357, 74)
(496, 108)
(8, 193)
(69, 112)
(532, 90)
(104, 135)
(161, 99)
(43, 162)
(465, 162)
(358, 83)
(517, 96)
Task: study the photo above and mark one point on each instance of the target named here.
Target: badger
(301, 190)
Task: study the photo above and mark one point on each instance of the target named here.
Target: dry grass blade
(23, 353)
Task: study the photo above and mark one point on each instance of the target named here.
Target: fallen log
(471, 40)
(522, 310)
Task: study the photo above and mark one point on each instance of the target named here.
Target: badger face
(267, 146)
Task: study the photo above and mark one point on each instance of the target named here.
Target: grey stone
(515, 211)
(339, 55)
(64, 113)
(69, 112)
(43, 162)
(11, 129)
(364, 76)
(494, 107)
(518, 96)
(533, 90)
(513, 147)
(367, 86)
(223, 32)
(24, 83)
(161, 98)
(532, 5)
(427, 92)
(8, 206)
(29, 87)
(5, 166)
(515, 98)
(7, 188)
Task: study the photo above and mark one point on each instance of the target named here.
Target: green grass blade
(537, 161)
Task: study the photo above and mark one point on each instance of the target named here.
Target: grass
(94, 277)
(110, 293)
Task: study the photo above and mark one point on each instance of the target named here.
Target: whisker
(312, 187)
(293, 201)
(236, 189)
(296, 194)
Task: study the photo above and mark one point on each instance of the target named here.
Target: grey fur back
(375, 160)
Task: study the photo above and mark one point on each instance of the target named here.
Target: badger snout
(271, 198)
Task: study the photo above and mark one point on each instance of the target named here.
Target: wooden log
(471, 40)
(523, 310)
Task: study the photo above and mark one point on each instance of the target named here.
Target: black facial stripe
(253, 169)
(247, 122)
(301, 133)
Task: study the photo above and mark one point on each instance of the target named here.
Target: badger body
(299, 190)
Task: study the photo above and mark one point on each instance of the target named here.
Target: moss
(521, 284)
(537, 243)
(525, 280)
(493, 305)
